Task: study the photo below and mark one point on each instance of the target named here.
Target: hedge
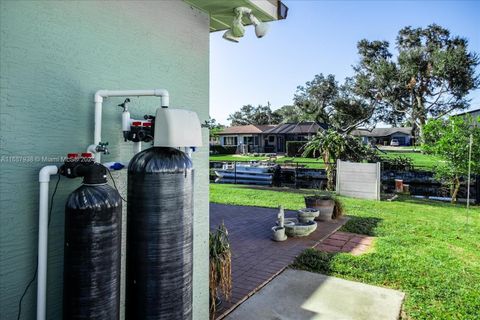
(218, 149)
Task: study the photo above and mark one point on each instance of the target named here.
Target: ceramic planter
(307, 214)
(324, 206)
(300, 229)
(278, 234)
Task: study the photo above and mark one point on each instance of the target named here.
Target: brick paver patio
(255, 257)
(353, 243)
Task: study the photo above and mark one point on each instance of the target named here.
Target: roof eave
(222, 12)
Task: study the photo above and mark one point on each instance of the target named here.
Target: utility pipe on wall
(43, 179)
(101, 94)
(137, 147)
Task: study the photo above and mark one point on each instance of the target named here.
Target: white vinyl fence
(358, 180)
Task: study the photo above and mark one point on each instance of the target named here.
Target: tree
(214, 128)
(260, 115)
(342, 110)
(449, 140)
(292, 114)
(331, 145)
(336, 105)
(429, 77)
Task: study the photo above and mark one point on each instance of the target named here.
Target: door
(280, 144)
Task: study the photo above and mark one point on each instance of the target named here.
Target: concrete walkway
(299, 295)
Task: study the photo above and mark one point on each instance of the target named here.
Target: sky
(320, 36)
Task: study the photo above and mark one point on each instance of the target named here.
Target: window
(247, 140)
(230, 141)
(271, 138)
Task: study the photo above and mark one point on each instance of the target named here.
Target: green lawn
(420, 160)
(233, 157)
(422, 248)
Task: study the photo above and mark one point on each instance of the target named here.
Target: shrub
(218, 149)
(399, 163)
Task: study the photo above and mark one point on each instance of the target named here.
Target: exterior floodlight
(261, 28)
(230, 37)
(238, 30)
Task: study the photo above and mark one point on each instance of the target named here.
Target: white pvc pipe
(101, 94)
(188, 151)
(43, 179)
(137, 147)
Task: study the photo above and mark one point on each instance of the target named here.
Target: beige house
(268, 138)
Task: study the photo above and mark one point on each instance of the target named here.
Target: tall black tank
(92, 248)
(159, 235)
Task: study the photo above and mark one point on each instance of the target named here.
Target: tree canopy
(449, 139)
(214, 127)
(429, 77)
(293, 114)
(249, 114)
(336, 105)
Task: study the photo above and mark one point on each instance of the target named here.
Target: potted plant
(324, 202)
(220, 267)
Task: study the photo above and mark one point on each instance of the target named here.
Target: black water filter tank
(159, 235)
(92, 249)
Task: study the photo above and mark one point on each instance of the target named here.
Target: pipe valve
(102, 147)
(84, 165)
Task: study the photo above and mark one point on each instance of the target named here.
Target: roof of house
(248, 129)
(381, 132)
(284, 128)
(298, 127)
(471, 111)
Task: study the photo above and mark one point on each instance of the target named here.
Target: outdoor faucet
(102, 147)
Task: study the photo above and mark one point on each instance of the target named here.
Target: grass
(423, 248)
(232, 157)
(420, 160)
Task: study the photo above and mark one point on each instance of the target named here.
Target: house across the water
(475, 114)
(268, 138)
(386, 136)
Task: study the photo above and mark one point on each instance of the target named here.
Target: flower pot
(307, 214)
(278, 234)
(300, 229)
(324, 207)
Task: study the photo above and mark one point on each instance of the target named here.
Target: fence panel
(358, 180)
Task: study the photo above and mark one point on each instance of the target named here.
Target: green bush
(218, 149)
(398, 163)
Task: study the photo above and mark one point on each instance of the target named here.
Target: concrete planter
(323, 205)
(278, 234)
(300, 229)
(307, 214)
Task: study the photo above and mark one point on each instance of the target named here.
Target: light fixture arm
(238, 29)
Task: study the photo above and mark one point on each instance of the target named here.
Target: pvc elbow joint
(46, 172)
(163, 93)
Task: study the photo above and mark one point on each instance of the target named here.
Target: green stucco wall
(54, 56)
